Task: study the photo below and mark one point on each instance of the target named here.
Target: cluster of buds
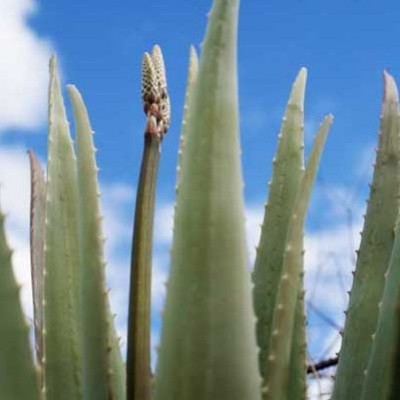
(154, 93)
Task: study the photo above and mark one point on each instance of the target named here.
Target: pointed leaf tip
(302, 73)
(329, 118)
(53, 63)
(299, 87)
(61, 183)
(193, 51)
(71, 88)
(74, 93)
(324, 127)
(390, 92)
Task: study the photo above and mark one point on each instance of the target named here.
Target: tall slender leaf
(18, 374)
(62, 340)
(283, 188)
(208, 348)
(281, 340)
(191, 80)
(101, 377)
(374, 253)
(379, 373)
(37, 237)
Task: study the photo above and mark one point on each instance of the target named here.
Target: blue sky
(345, 47)
(344, 44)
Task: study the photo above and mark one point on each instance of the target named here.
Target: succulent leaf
(37, 237)
(18, 374)
(395, 370)
(99, 339)
(208, 347)
(297, 387)
(379, 373)
(281, 339)
(62, 339)
(374, 253)
(191, 80)
(283, 189)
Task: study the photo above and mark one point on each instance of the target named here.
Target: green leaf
(191, 80)
(62, 340)
(385, 342)
(374, 254)
(283, 188)
(297, 387)
(208, 348)
(101, 377)
(37, 238)
(395, 370)
(18, 374)
(281, 339)
(117, 365)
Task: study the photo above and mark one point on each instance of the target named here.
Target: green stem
(138, 358)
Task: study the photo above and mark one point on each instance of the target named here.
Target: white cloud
(254, 218)
(117, 227)
(365, 162)
(320, 388)
(23, 67)
(163, 224)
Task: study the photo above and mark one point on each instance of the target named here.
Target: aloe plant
(221, 337)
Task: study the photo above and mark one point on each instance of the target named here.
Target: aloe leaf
(283, 188)
(191, 80)
(18, 374)
(117, 372)
(99, 338)
(374, 253)
(208, 348)
(395, 370)
(385, 341)
(281, 339)
(37, 235)
(297, 387)
(62, 344)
